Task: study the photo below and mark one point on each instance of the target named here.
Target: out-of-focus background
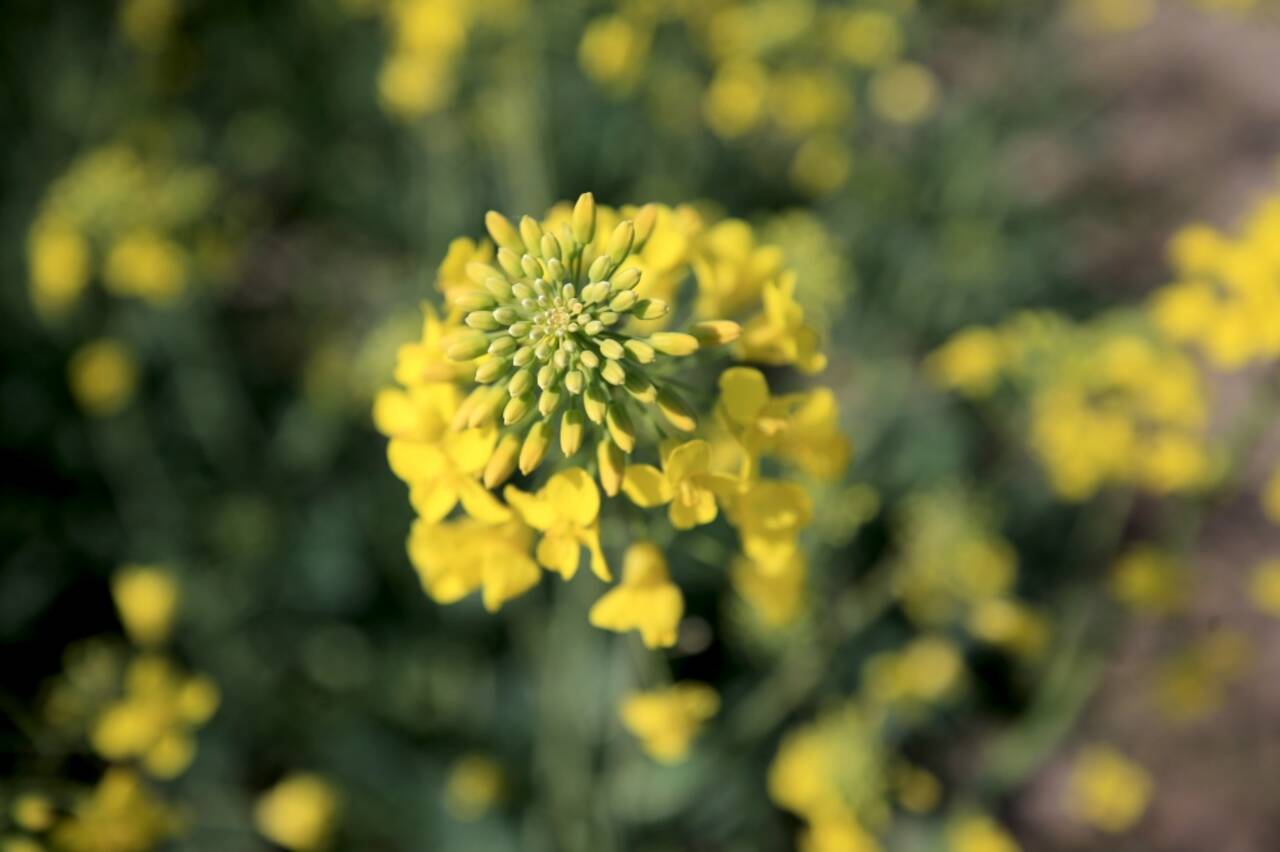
(1041, 240)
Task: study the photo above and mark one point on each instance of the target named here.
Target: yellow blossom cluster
(783, 69)
(1225, 298)
(1109, 402)
(121, 215)
(558, 328)
(430, 40)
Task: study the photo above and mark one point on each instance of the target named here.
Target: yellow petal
(480, 504)
(559, 553)
(434, 501)
(688, 460)
(574, 496)
(536, 511)
(744, 393)
(646, 486)
(414, 461)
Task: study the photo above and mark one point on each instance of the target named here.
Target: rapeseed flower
(685, 484)
(667, 720)
(566, 511)
(299, 813)
(146, 596)
(646, 600)
(455, 558)
(1108, 790)
(120, 815)
(103, 375)
(474, 785)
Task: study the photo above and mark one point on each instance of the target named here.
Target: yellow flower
(1109, 17)
(925, 671)
(146, 265)
(421, 413)
(474, 785)
(1149, 580)
(906, 93)
(769, 515)
(455, 558)
(867, 37)
(821, 164)
(1264, 587)
(1108, 790)
(1010, 625)
(613, 51)
(645, 600)
(146, 597)
(685, 482)
(978, 833)
(801, 428)
(299, 813)
(1193, 683)
(103, 374)
(58, 255)
(734, 103)
(918, 790)
(1271, 497)
(970, 362)
(120, 815)
(156, 717)
(666, 720)
(32, 812)
(837, 833)
(732, 269)
(832, 768)
(440, 476)
(779, 335)
(566, 511)
(451, 278)
(776, 595)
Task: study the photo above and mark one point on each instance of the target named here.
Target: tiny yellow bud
(612, 349)
(471, 300)
(516, 408)
(716, 332)
(650, 309)
(620, 428)
(620, 241)
(535, 446)
(594, 402)
(509, 260)
(626, 279)
(571, 431)
(486, 409)
(492, 369)
(502, 231)
(674, 343)
(584, 218)
(503, 461)
(612, 464)
(641, 351)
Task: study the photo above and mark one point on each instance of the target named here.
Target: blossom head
(646, 600)
(666, 720)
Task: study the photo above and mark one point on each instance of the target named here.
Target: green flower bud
(505, 315)
(504, 345)
(503, 461)
(612, 349)
(485, 411)
(612, 464)
(510, 263)
(481, 320)
(521, 381)
(584, 218)
(613, 373)
(467, 347)
(716, 332)
(619, 245)
(551, 251)
(471, 300)
(516, 408)
(535, 446)
(674, 343)
(547, 376)
(599, 269)
(640, 388)
(492, 370)
(572, 427)
(595, 402)
(498, 287)
(620, 427)
(676, 410)
(531, 267)
(531, 235)
(574, 381)
(502, 231)
(622, 302)
(641, 351)
(650, 309)
(626, 279)
(548, 401)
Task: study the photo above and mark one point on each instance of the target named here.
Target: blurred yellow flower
(474, 785)
(156, 718)
(666, 720)
(970, 362)
(147, 23)
(769, 515)
(867, 37)
(1150, 580)
(905, 93)
(455, 558)
(1011, 625)
(103, 375)
(777, 595)
(58, 256)
(779, 335)
(565, 511)
(1108, 790)
(120, 815)
(300, 813)
(833, 769)
(1264, 586)
(837, 833)
(685, 484)
(146, 596)
(613, 51)
(821, 165)
(645, 600)
(1193, 683)
(440, 476)
(731, 269)
(735, 100)
(925, 671)
(978, 833)
(145, 265)
(32, 812)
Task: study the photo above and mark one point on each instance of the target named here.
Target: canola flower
(146, 597)
(1108, 790)
(473, 787)
(665, 721)
(299, 813)
(121, 814)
